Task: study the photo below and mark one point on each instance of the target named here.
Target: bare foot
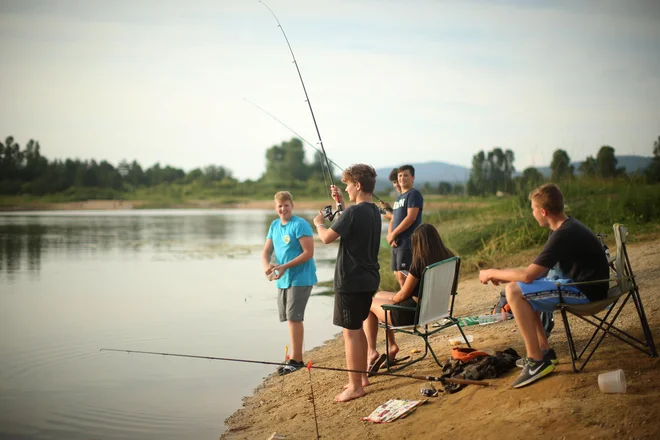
(365, 382)
(373, 357)
(393, 351)
(350, 394)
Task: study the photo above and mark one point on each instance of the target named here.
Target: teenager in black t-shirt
(356, 271)
(427, 248)
(579, 256)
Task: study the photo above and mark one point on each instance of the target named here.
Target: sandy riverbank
(564, 405)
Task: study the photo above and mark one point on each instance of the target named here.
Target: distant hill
(432, 172)
(436, 172)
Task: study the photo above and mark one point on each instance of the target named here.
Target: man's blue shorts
(543, 294)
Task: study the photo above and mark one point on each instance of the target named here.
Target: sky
(390, 82)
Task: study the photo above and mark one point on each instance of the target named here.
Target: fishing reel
(327, 213)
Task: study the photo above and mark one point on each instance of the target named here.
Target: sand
(563, 405)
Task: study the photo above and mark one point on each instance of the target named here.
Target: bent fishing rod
(309, 104)
(440, 379)
(302, 139)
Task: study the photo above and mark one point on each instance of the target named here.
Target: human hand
(279, 271)
(319, 219)
(269, 269)
(336, 194)
(391, 239)
(486, 275)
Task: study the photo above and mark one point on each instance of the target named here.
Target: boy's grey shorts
(291, 302)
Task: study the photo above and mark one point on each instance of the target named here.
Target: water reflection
(171, 281)
(27, 239)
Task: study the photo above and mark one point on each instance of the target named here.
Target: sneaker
(547, 354)
(533, 371)
(290, 367)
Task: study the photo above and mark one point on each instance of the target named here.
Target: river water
(180, 281)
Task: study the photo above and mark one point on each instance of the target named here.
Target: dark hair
(409, 168)
(549, 197)
(394, 175)
(427, 247)
(361, 173)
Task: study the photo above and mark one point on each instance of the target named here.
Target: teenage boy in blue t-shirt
(407, 215)
(295, 272)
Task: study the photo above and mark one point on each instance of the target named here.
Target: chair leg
(569, 339)
(460, 329)
(645, 324)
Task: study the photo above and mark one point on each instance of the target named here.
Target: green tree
(492, 172)
(606, 161)
(476, 184)
(531, 178)
(444, 188)
(653, 170)
(589, 167)
(286, 163)
(561, 166)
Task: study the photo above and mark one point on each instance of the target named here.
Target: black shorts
(351, 309)
(401, 259)
(401, 318)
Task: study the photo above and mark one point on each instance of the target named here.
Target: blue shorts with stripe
(543, 294)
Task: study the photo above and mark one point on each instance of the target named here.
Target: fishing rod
(302, 139)
(328, 210)
(440, 379)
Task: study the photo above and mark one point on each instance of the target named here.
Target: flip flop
(373, 368)
(395, 362)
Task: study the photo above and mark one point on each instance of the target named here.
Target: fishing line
(309, 104)
(302, 139)
(309, 365)
(320, 153)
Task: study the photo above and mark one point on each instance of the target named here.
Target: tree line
(25, 171)
(493, 172)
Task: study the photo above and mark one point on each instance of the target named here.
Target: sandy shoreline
(563, 405)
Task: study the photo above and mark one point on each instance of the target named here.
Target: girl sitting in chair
(427, 248)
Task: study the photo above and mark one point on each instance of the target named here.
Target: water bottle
(489, 319)
(494, 317)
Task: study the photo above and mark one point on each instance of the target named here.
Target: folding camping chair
(437, 293)
(623, 287)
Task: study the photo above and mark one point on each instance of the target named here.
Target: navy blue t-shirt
(410, 199)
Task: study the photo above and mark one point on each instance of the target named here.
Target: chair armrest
(397, 307)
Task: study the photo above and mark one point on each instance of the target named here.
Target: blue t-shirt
(286, 242)
(410, 199)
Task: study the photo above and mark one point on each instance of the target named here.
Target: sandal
(388, 364)
(373, 368)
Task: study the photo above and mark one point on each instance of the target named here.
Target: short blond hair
(283, 196)
(548, 197)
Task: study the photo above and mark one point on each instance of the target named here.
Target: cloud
(390, 82)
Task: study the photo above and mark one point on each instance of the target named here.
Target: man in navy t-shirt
(406, 216)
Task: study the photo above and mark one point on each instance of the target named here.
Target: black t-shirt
(580, 256)
(417, 273)
(357, 266)
(410, 199)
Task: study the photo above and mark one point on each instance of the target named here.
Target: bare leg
(356, 359)
(379, 315)
(525, 320)
(540, 333)
(371, 332)
(296, 333)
